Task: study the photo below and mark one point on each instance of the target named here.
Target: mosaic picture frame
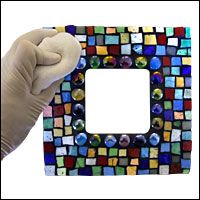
(166, 147)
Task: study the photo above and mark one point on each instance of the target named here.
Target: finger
(29, 53)
(48, 94)
(35, 36)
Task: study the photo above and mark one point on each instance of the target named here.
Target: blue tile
(165, 147)
(185, 43)
(176, 61)
(169, 81)
(83, 151)
(185, 163)
(137, 48)
(49, 159)
(68, 77)
(178, 105)
(66, 96)
(188, 81)
(175, 70)
(144, 152)
(168, 115)
(73, 172)
(142, 172)
(164, 159)
(144, 163)
(178, 94)
(186, 135)
(86, 171)
(108, 171)
(111, 39)
(149, 50)
(57, 142)
(73, 150)
(91, 40)
(71, 29)
(186, 70)
(160, 50)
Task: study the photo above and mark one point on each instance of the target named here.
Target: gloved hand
(31, 74)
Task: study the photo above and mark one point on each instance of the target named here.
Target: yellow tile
(166, 136)
(112, 161)
(68, 130)
(178, 115)
(110, 30)
(179, 82)
(153, 163)
(58, 122)
(186, 61)
(60, 28)
(91, 152)
(101, 50)
(168, 126)
(57, 99)
(67, 107)
(153, 152)
(122, 152)
(57, 132)
(124, 38)
(83, 45)
(131, 170)
(147, 29)
(102, 151)
(134, 29)
(134, 161)
(150, 40)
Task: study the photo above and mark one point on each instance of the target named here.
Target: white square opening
(117, 101)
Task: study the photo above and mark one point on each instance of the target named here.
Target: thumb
(47, 95)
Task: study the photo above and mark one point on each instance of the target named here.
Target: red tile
(179, 31)
(48, 147)
(134, 152)
(90, 30)
(175, 168)
(102, 161)
(187, 146)
(188, 105)
(90, 50)
(69, 162)
(161, 39)
(169, 94)
(58, 110)
(113, 50)
(166, 61)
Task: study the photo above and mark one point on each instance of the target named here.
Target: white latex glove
(31, 74)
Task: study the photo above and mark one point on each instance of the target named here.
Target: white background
(22, 171)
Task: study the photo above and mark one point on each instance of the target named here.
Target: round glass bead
(155, 63)
(78, 79)
(78, 109)
(94, 62)
(81, 139)
(95, 140)
(81, 64)
(78, 125)
(156, 78)
(154, 139)
(157, 94)
(139, 140)
(157, 123)
(78, 94)
(110, 141)
(141, 62)
(125, 62)
(157, 109)
(109, 62)
(124, 140)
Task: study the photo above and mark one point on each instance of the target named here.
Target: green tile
(66, 86)
(186, 171)
(177, 124)
(182, 52)
(96, 170)
(80, 162)
(99, 29)
(168, 105)
(185, 43)
(120, 29)
(169, 31)
(60, 161)
(187, 32)
(48, 123)
(113, 152)
(175, 148)
(120, 170)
